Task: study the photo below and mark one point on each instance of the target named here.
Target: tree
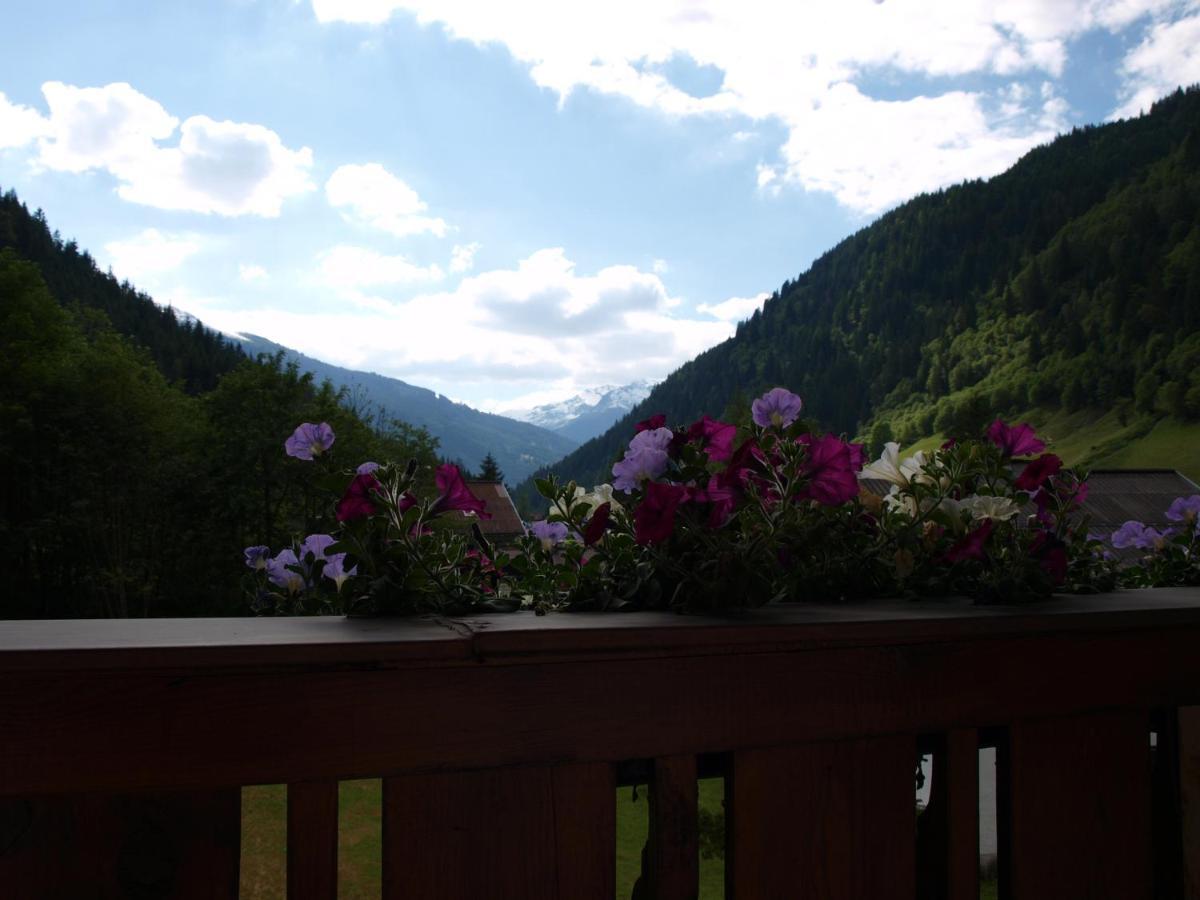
(489, 470)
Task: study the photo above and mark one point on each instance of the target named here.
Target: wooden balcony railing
(123, 746)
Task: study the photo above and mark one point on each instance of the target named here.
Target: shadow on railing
(501, 744)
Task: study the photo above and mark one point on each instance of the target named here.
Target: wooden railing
(123, 746)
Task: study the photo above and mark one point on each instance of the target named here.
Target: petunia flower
(315, 544)
(1034, 475)
(1135, 534)
(715, 438)
(1185, 509)
(257, 556)
(985, 506)
(281, 575)
(549, 533)
(358, 501)
(309, 440)
(652, 439)
(722, 492)
(889, 467)
(335, 569)
(654, 518)
(596, 525)
(1051, 555)
(658, 420)
(1017, 440)
(777, 408)
(832, 480)
(643, 464)
(367, 468)
(455, 495)
(970, 547)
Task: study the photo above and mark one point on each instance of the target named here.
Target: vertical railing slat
(312, 836)
(1188, 744)
(489, 833)
(673, 861)
(585, 818)
(962, 834)
(168, 845)
(833, 820)
(1079, 807)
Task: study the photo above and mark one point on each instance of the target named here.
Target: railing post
(1189, 797)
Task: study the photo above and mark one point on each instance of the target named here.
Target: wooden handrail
(817, 709)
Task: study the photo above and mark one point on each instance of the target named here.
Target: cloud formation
(371, 195)
(806, 69)
(149, 254)
(735, 309)
(1168, 57)
(225, 168)
(505, 331)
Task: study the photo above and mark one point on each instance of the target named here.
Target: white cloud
(19, 125)
(1167, 58)
(250, 272)
(372, 195)
(227, 168)
(735, 309)
(801, 67)
(462, 257)
(347, 267)
(149, 254)
(518, 329)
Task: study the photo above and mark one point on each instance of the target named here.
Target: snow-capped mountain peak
(589, 412)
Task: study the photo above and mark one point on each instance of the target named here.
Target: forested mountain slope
(185, 351)
(1070, 281)
(463, 433)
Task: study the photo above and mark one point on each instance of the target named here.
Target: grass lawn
(264, 841)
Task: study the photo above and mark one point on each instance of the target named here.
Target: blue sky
(508, 202)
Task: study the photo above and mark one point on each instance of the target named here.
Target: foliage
(1072, 280)
(710, 517)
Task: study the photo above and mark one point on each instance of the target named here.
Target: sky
(510, 202)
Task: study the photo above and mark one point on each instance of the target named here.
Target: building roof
(505, 523)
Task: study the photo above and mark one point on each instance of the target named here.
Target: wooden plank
(1189, 797)
(1080, 807)
(833, 821)
(673, 861)
(585, 831)
(312, 840)
(168, 846)
(487, 833)
(115, 732)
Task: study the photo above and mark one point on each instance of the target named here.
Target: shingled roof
(505, 524)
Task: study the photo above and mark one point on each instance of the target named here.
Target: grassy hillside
(1069, 283)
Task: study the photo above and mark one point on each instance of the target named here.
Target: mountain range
(1067, 286)
(587, 414)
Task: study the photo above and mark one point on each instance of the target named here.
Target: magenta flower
(1018, 440)
(971, 547)
(658, 420)
(722, 493)
(594, 529)
(359, 501)
(831, 471)
(778, 407)
(654, 518)
(309, 440)
(645, 463)
(454, 494)
(1034, 475)
(715, 438)
(1051, 555)
(257, 557)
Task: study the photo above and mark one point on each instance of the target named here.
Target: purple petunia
(257, 556)
(281, 575)
(309, 440)
(778, 407)
(549, 533)
(1138, 535)
(638, 466)
(1185, 509)
(367, 468)
(652, 439)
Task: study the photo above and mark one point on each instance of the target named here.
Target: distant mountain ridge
(463, 433)
(1070, 281)
(589, 413)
